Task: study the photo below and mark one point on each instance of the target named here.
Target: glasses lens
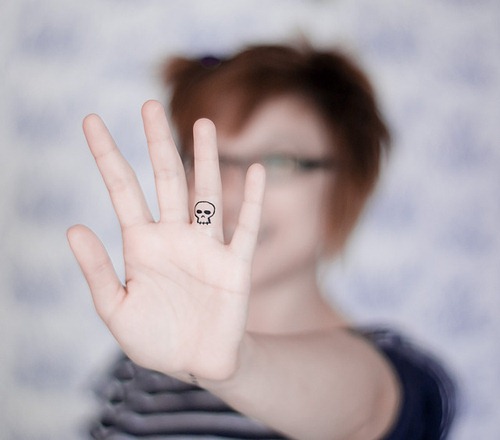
(279, 165)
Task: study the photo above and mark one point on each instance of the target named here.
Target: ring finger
(207, 209)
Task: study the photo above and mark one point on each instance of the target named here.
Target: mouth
(262, 237)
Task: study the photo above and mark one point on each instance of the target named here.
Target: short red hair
(229, 90)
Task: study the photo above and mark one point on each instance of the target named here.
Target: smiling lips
(264, 234)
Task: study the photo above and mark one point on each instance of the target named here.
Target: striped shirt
(143, 404)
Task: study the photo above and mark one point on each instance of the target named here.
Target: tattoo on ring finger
(204, 211)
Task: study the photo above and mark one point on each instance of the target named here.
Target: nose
(233, 182)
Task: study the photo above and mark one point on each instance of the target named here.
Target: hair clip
(210, 61)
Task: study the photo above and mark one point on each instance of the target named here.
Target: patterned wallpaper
(425, 259)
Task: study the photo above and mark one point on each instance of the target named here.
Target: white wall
(426, 257)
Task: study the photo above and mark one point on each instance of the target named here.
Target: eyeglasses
(278, 166)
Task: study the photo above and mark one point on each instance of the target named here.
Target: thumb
(106, 289)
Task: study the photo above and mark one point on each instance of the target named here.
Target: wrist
(233, 376)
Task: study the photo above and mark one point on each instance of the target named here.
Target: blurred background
(425, 259)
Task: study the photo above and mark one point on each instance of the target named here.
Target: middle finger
(170, 178)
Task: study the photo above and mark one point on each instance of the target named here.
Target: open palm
(183, 305)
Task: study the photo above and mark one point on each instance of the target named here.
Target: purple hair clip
(210, 61)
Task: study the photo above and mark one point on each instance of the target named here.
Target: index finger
(119, 177)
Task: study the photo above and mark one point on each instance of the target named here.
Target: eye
(278, 164)
(278, 161)
(199, 211)
(206, 212)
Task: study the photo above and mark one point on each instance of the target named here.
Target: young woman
(225, 329)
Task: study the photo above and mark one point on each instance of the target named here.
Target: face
(295, 211)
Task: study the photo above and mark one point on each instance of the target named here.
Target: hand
(184, 303)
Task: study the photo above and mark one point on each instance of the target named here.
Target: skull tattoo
(203, 212)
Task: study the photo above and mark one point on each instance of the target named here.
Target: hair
(229, 90)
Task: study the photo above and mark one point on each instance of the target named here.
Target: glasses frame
(275, 164)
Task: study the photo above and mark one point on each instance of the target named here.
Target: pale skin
(201, 299)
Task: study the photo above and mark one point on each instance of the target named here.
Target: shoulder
(428, 393)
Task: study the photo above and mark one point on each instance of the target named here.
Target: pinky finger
(106, 289)
(247, 231)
